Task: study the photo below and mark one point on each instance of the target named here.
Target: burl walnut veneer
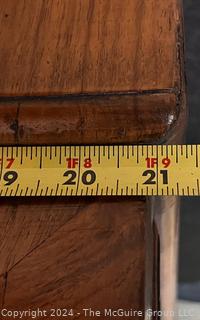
(90, 72)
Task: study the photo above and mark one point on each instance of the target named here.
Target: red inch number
(72, 163)
(152, 162)
(9, 163)
(87, 163)
(166, 162)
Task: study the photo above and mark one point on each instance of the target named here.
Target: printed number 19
(10, 177)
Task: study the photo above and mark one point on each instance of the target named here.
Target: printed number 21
(152, 176)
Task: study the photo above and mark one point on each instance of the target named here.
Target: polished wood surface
(62, 47)
(85, 255)
(86, 72)
(89, 120)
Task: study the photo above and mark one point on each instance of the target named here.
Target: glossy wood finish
(56, 47)
(85, 72)
(82, 256)
(89, 120)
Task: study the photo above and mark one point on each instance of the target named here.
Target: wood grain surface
(53, 47)
(89, 120)
(85, 255)
(89, 72)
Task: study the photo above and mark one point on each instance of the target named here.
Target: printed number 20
(88, 177)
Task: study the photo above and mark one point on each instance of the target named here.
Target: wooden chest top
(56, 47)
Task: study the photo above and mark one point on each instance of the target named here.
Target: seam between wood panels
(86, 95)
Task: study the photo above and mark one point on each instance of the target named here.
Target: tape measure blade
(111, 170)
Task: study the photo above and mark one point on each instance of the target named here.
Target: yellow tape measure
(100, 170)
